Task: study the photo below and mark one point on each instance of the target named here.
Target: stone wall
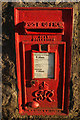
(9, 87)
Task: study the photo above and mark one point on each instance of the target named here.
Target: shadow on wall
(8, 38)
(8, 45)
(71, 96)
(8, 51)
(8, 32)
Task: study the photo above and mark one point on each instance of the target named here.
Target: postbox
(43, 59)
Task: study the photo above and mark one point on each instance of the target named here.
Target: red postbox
(43, 57)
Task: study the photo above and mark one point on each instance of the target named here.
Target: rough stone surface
(9, 87)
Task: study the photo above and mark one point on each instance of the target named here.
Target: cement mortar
(9, 87)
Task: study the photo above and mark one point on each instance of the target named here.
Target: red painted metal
(43, 31)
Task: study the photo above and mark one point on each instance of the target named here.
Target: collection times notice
(43, 65)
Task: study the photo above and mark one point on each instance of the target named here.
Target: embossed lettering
(44, 24)
(44, 94)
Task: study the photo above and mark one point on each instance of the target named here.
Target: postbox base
(43, 112)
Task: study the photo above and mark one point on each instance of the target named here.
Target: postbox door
(44, 77)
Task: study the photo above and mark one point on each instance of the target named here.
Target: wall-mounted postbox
(43, 57)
